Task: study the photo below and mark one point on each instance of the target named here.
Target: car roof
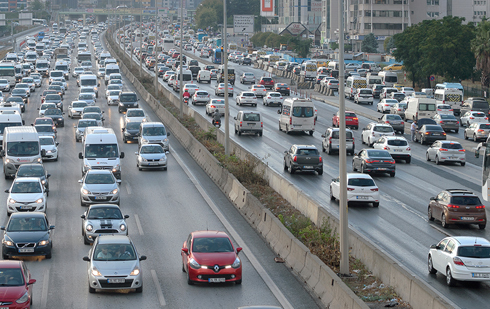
(470, 240)
(114, 239)
(359, 175)
(104, 205)
(30, 214)
(10, 264)
(202, 234)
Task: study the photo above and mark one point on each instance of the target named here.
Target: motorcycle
(186, 100)
(217, 123)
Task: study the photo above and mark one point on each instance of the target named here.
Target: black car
(130, 131)
(27, 234)
(57, 115)
(374, 161)
(34, 170)
(18, 100)
(21, 92)
(209, 67)
(54, 98)
(430, 133)
(195, 70)
(245, 61)
(193, 63)
(303, 158)
(282, 88)
(424, 121)
(127, 100)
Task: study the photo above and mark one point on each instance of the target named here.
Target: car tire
(239, 133)
(429, 214)
(443, 221)
(287, 129)
(49, 255)
(320, 172)
(482, 226)
(85, 240)
(392, 174)
(290, 169)
(91, 290)
(408, 160)
(285, 165)
(238, 282)
(465, 136)
(140, 289)
(450, 281)
(437, 160)
(376, 204)
(461, 124)
(427, 156)
(332, 198)
(463, 163)
(422, 141)
(430, 266)
(362, 169)
(456, 131)
(474, 138)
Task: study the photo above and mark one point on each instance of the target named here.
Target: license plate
(26, 250)
(474, 276)
(468, 218)
(251, 124)
(361, 197)
(308, 166)
(100, 197)
(397, 150)
(152, 163)
(436, 134)
(26, 207)
(216, 280)
(118, 280)
(381, 168)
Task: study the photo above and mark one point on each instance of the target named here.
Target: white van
(420, 108)
(103, 56)
(20, 145)
(88, 80)
(100, 150)
(82, 45)
(42, 66)
(388, 78)
(352, 84)
(333, 66)
(204, 76)
(153, 133)
(308, 70)
(63, 66)
(451, 96)
(373, 79)
(109, 69)
(297, 114)
(11, 118)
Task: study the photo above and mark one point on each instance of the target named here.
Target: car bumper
(364, 197)
(468, 275)
(124, 107)
(154, 164)
(38, 251)
(51, 156)
(313, 167)
(91, 236)
(451, 158)
(398, 127)
(101, 283)
(401, 156)
(91, 199)
(450, 127)
(365, 100)
(19, 207)
(379, 169)
(271, 103)
(204, 275)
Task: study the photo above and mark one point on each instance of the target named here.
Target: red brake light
(480, 207)
(452, 206)
(294, 158)
(386, 148)
(350, 189)
(443, 149)
(462, 150)
(458, 261)
(374, 190)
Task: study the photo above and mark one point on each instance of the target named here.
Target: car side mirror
(38, 108)
(142, 258)
(86, 258)
(80, 155)
(57, 143)
(126, 216)
(118, 181)
(432, 198)
(49, 175)
(51, 227)
(82, 216)
(238, 250)
(185, 250)
(31, 281)
(435, 247)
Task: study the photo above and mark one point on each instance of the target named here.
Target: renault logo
(216, 268)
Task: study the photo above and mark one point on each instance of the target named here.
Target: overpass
(101, 14)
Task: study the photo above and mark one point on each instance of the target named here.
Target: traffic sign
(432, 78)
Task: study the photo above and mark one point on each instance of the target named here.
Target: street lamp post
(141, 44)
(156, 51)
(225, 69)
(181, 52)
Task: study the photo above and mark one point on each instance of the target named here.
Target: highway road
(164, 207)
(400, 225)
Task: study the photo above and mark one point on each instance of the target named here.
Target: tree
(301, 47)
(37, 5)
(369, 44)
(480, 46)
(388, 44)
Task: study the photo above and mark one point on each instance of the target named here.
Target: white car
(191, 88)
(446, 151)
(214, 104)
(95, 116)
(407, 91)
(37, 79)
(462, 258)
(77, 71)
(44, 107)
(200, 96)
(361, 188)
(113, 98)
(259, 90)
(272, 98)
(246, 97)
(86, 65)
(49, 145)
(29, 80)
(477, 131)
(385, 105)
(220, 89)
(444, 109)
(397, 146)
(167, 75)
(75, 109)
(373, 131)
(135, 115)
(471, 117)
(26, 194)
(4, 85)
(111, 88)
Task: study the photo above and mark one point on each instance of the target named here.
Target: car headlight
(9, 160)
(89, 227)
(43, 182)
(194, 264)
(39, 160)
(87, 167)
(95, 272)
(8, 243)
(116, 168)
(24, 298)
(165, 140)
(115, 191)
(39, 201)
(43, 242)
(135, 272)
(163, 159)
(12, 201)
(144, 140)
(122, 227)
(85, 191)
(237, 263)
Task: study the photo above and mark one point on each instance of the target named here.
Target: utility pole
(156, 51)
(181, 57)
(141, 42)
(225, 69)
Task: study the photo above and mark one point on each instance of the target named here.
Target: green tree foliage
(480, 46)
(37, 5)
(369, 44)
(436, 47)
(210, 12)
(388, 44)
(301, 47)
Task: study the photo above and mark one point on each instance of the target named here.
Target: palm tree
(480, 46)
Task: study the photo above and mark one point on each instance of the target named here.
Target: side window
(450, 246)
(442, 244)
(189, 241)
(440, 196)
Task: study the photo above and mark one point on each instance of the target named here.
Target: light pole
(181, 52)
(225, 69)
(141, 43)
(156, 51)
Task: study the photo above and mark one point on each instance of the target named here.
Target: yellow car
(394, 67)
(398, 86)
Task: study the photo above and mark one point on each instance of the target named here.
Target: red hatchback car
(209, 256)
(15, 285)
(267, 82)
(351, 120)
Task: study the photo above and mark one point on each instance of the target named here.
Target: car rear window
(251, 117)
(365, 91)
(448, 117)
(336, 134)
(427, 107)
(361, 182)
(266, 79)
(397, 142)
(484, 126)
(444, 106)
(480, 104)
(479, 114)
(307, 152)
(476, 252)
(347, 114)
(393, 117)
(383, 129)
(433, 128)
(465, 200)
(379, 154)
(452, 146)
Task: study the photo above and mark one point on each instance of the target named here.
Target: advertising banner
(267, 8)
(243, 24)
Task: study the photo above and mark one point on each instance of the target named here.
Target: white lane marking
(253, 260)
(159, 288)
(44, 294)
(138, 224)
(128, 188)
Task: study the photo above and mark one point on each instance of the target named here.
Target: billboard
(267, 8)
(25, 19)
(243, 24)
(2, 19)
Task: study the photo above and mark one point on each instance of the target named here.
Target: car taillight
(458, 261)
(408, 149)
(441, 122)
(387, 122)
(462, 150)
(295, 158)
(290, 120)
(374, 190)
(443, 133)
(373, 133)
(452, 206)
(427, 133)
(261, 124)
(442, 149)
(386, 148)
(480, 207)
(472, 117)
(240, 123)
(350, 189)
(320, 159)
(372, 161)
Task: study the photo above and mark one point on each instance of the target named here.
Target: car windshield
(128, 97)
(383, 129)
(114, 252)
(86, 97)
(336, 134)
(19, 91)
(379, 154)
(211, 244)
(30, 171)
(104, 213)
(101, 151)
(451, 146)
(397, 142)
(26, 187)
(478, 114)
(93, 178)
(154, 131)
(133, 125)
(11, 276)
(152, 149)
(46, 141)
(79, 104)
(91, 109)
(114, 93)
(361, 182)
(84, 124)
(52, 111)
(23, 148)
(135, 113)
(53, 97)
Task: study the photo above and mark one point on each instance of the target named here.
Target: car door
(379, 143)
(447, 255)
(433, 150)
(438, 256)
(365, 133)
(336, 188)
(471, 130)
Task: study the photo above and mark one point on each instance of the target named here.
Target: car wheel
(140, 289)
(430, 266)
(443, 221)
(189, 281)
(376, 204)
(392, 174)
(320, 172)
(49, 255)
(332, 198)
(238, 281)
(482, 226)
(239, 133)
(463, 163)
(437, 160)
(449, 277)
(5, 256)
(474, 138)
(408, 160)
(285, 165)
(91, 289)
(422, 141)
(464, 134)
(290, 169)
(287, 129)
(353, 166)
(461, 123)
(429, 214)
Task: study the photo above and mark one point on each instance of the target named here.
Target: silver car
(477, 131)
(114, 264)
(103, 219)
(446, 151)
(99, 186)
(94, 116)
(247, 77)
(75, 109)
(82, 125)
(151, 156)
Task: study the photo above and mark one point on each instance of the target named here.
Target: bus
(7, 71)
(36, 21)
(217, 56)
(485, 189)
(232, 47)
(447, 85)
(168, 44)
